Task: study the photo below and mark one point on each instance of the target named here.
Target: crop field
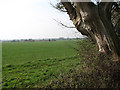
(36, 64)
(21, 52)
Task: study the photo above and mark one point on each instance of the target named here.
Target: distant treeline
(35, 40)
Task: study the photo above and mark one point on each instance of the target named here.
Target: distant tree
(101, 23)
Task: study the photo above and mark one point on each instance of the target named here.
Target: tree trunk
(95, 22)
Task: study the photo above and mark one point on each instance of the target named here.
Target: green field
(21, 52)
(36, 64)
(58, 64)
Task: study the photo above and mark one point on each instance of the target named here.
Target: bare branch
(70, 10)
(59, 22)
(62, 10)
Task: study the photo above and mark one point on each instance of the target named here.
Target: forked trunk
(95, 22)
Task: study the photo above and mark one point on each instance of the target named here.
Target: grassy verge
(95, 70)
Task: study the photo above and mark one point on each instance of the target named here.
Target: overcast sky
(20, 19)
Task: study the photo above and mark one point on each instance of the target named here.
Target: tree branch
(59, 22)
(70, 10)
(62, 10)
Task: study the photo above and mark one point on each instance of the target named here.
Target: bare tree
(101, 23)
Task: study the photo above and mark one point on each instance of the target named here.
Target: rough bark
(95, 22)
